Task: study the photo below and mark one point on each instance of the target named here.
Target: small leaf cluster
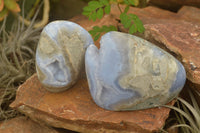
(132, 22)
(6, 6)
(131, 2)
(96, 31)
(96, 9)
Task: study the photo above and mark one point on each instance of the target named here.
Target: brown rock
(74, 109)
(174, 4)
(154, 15)
(23, 125)
(146, 14)
(190, 13)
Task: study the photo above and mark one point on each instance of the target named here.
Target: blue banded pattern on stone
(60, 54)
(130, 73)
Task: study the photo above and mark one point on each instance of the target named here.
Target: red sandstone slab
(74, 109)
(190, 13)
(24, 125)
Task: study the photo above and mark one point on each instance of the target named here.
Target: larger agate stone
(60, 54)
(129, 73)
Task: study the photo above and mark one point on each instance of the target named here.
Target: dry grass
(187, 114)
(17, 61)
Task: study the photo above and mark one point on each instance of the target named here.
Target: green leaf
(126, 9)
(92, 32)
(127, 23)
(12, 5)
(126, 2)
(134, 2)
(107, 9)
(100, 13)
(124, 18)
(132, 29)
(87, 8)
(97, 37)
(139, 25)
(133, 16)
(93, 3)
(97, 30)
(104, 2)
(94, 16)
(86, 13)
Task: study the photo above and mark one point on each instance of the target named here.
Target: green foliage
(97, 9)
(187, 114)
(131, 2)
(96, 31)
(132, 22)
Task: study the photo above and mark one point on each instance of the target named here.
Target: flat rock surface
(74, 109)
(22, 124)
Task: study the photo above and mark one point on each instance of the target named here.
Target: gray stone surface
(129, 73)
(60, 54)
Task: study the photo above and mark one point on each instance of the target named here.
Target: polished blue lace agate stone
(130, 73)
(60, 54)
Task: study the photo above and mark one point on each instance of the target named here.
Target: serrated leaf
(107, 9)
(97, 37)
(100, 13)
(86, 13)
(92, 32)
(126, 2)
(141, 29)
(95, 4)
(97, 28)
(133, 16)
(126, 9)
(132, 29)
(12, 5)
(94, 16)
(104, 2)
(105, 28)
(124, 18)
(113, 28)
(1, 5)
(3, 14)
(139, 25)
(127, 23)
(87, 8)
(134, 2)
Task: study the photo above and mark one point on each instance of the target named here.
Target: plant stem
(44, 20)
(119, 7)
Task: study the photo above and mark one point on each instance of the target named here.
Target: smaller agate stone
(60, 54)
(129, 73)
